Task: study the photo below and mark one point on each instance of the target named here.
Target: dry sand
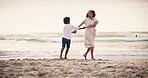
(120, 67)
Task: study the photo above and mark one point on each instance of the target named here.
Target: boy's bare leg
(61, 52)
(85, 55)
(66, 53)
(92, 53)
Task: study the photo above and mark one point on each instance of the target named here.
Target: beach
(36, 55)
(104, 67)
(31, 33)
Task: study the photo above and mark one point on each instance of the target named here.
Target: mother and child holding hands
(90, 32)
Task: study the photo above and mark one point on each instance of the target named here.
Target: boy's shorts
(66, 42)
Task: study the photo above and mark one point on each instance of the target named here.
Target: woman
(90, 32)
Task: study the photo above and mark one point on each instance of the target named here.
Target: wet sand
(116, 67)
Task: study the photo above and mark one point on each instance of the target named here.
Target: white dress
(90, 33)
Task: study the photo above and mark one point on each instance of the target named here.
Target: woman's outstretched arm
(92, 25)
(74, 31)
(81, 24)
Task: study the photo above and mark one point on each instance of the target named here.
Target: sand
(118, 67)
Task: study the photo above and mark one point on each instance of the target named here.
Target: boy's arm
(76, 28)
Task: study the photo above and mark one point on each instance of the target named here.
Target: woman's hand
(86, 26)
(82, 28)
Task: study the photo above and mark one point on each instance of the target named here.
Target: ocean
(48, 45)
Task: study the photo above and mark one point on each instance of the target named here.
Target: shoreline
(74, 57)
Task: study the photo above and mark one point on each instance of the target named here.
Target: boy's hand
(74, 31)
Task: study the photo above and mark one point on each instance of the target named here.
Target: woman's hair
(93, 12)
(66, 20)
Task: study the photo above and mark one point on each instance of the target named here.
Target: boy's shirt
(67, 30)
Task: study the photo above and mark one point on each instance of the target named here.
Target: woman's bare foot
(65, 58)
(93, 59)
(61, 57)
(85, 56)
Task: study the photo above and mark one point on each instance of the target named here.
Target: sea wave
(56, 37)
(57, 40)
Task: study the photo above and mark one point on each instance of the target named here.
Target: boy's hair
(66, 20)
(92, 11)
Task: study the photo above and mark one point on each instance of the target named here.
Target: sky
(24, 16)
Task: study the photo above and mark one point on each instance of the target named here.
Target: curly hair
(93, 12)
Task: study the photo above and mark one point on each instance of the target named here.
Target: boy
(66, 39)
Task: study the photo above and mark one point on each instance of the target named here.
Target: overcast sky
(23, 16)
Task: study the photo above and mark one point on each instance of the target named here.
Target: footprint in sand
(41, 74)
(17, 64)
(77, 76)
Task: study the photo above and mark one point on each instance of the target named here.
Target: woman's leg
(85, 55)
(92, 53)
